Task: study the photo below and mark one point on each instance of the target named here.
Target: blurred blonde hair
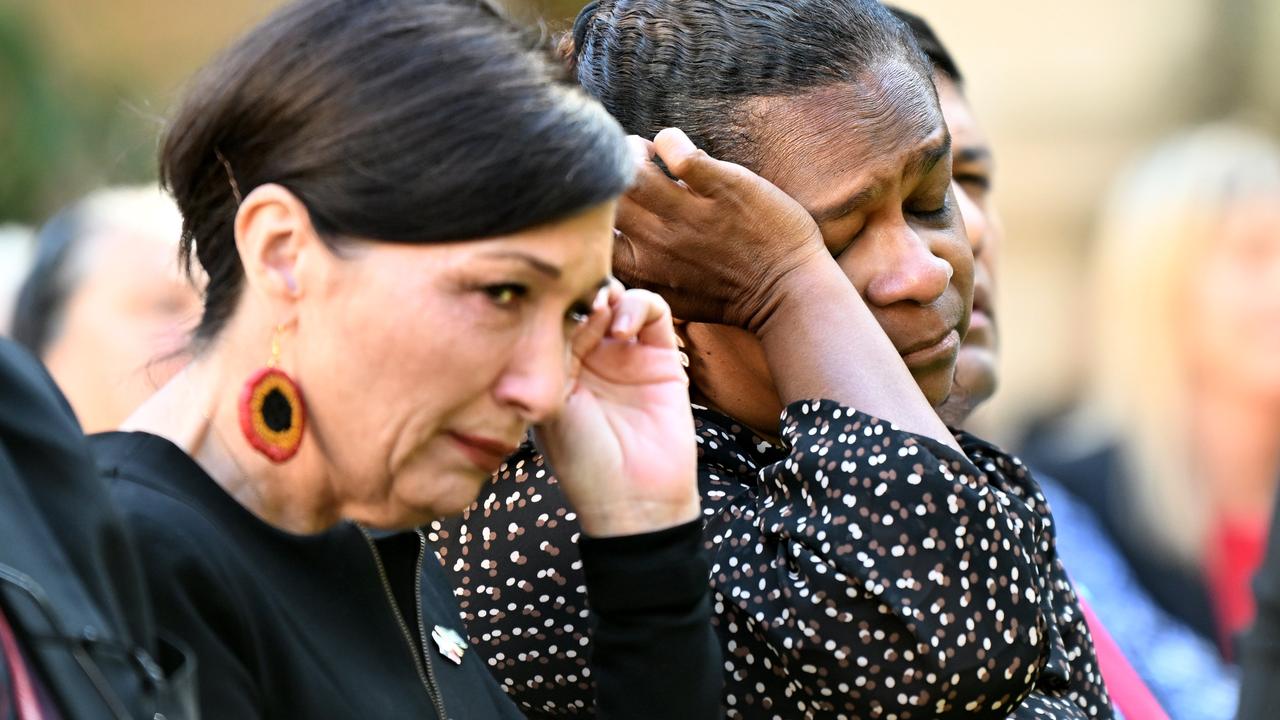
(1157, 223)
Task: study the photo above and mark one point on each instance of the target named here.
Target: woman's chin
(451, 493)
(936, 384)
(445, 495)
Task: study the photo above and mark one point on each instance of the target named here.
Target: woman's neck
(1237, 450)
(198, 411)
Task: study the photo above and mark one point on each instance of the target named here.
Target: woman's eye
(579, 314)
(505, 295)
(974, 184)
(938, 213)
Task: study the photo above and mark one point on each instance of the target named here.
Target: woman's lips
(982, 315)
(486, 454)
(940, 349)
(979, 320)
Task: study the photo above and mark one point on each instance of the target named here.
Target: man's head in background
(104, 305)
(972, 168)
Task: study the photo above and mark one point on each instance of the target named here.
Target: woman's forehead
(878, 129)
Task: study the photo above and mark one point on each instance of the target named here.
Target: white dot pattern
(857, 572)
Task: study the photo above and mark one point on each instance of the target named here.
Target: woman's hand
(724, 245)
(623, 446)
(717, 242)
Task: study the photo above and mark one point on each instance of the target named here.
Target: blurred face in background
(1233, 314)
(972, 168)
(128, 312)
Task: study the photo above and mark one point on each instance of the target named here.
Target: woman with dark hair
(404, 215)
(865, 561)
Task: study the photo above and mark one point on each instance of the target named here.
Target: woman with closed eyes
(865, 560)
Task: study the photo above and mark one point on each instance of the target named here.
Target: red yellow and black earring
(273, 414)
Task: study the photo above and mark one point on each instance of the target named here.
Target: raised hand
(716, 242)
(623, 446)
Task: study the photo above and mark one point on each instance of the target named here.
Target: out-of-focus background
(1169, 463)
(1069, 93)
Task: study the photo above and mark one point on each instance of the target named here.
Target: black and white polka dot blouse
(858, 571)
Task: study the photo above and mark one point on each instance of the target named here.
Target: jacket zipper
(427, 675)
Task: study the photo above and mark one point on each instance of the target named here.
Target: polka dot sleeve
(857, 571)
(868, 572)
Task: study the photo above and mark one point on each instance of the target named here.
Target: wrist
(637, 517)
(795, 289)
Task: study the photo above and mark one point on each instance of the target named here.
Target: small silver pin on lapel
(449, 643)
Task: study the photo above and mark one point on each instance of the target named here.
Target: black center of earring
(277, 413)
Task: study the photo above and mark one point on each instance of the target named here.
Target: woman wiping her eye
(405, 217)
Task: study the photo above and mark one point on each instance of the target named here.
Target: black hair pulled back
(930, 44)
(408, 121)
(694, 64)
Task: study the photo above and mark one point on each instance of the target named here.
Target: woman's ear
(273, 232)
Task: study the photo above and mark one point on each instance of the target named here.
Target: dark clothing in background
(857, 571)
(1260, 648)
(70, 584)
(1097, 480)
(22, 695)
(339, 624)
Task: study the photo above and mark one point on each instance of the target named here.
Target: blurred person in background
(1176, 447)
(15, 253)
(104, 304)
(1260, 647)
(1182, 670)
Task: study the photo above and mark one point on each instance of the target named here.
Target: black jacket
(340, 624)
(69, 579)
(1260, 656)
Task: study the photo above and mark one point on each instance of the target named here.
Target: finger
(615, 291)
(645, 316)
(641, 149)
(597, 325)
(637, 242)
(637, 221)
(702, 173)
(659, 328)
(652, 189)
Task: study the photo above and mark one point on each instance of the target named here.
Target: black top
(1097, 480)
(70, 583)
(327, 625)
(857, 571)
(1260, 657)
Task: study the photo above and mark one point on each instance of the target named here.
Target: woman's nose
(536, 378)
(975, 220)
(906, 269)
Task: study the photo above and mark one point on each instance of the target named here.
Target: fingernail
(621, 323)
(683, 140)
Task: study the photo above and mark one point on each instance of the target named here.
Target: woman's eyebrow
(972, 154)
(536, 263)
(848, 205)
(927, 158)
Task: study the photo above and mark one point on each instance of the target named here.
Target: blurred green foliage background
(83, 97)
